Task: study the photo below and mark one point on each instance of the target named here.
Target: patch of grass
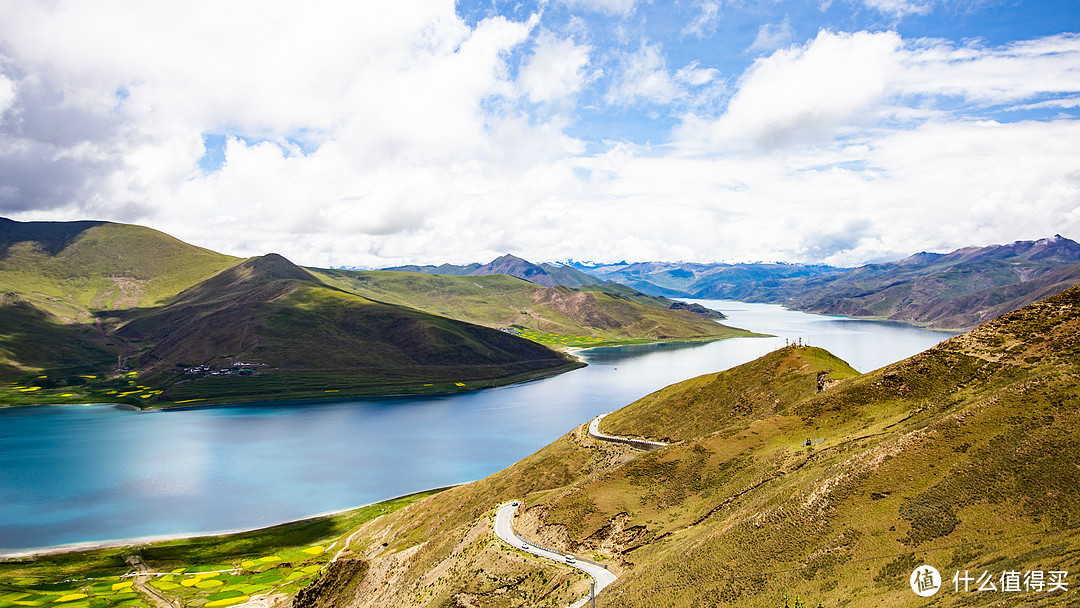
(92, 266)
(279, 559)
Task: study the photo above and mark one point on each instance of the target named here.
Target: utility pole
(592, 594)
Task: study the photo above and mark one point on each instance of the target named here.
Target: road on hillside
(504, 529)
(641, 444)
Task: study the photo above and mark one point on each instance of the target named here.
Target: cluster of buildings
(237, 369)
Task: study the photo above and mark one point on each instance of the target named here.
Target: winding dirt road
(504, 529)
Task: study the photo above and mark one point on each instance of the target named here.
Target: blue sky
(369, 134)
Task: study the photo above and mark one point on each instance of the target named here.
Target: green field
(206, 571)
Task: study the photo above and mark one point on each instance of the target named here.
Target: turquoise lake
(79, 474)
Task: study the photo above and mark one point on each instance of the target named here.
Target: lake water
(75, 474)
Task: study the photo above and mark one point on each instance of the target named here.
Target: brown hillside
(964, 457)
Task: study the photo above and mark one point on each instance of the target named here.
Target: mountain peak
(251, 274)
(273, 267)
(516, 267)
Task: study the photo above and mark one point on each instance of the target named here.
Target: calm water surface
(72, 474)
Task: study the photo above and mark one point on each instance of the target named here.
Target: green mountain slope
(299, 336)
(33, 340)
(504, 301)
(964, 457)
(75, 268)
(261, 329)
(729, 399)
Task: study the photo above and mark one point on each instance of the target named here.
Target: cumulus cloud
(110, 125)
(642, 77)
(937, 186)
(555, 70)
(840, 81)
(403, 133)
(805, 92)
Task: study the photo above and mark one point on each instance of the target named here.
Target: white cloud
(610, 7)
(696, 76)
(706, 21)
(804, 93)
(118, 96)
(841, 81)
(772, 36)
(900, 8)
(555, 70)
(7, 94)
(1065, 102)
(643, 77)
(939, 186)
(1005, 74)
(429, 139)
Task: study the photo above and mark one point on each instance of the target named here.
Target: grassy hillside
(96, 311)
(963, 457)
(299, 337)
(34, 340)
(81, 267)
(212, 571)
(729, 399)
(263, 329)
(504, 301)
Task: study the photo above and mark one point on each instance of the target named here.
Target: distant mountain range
(694, 279)
(548, 275)
(958, 290)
